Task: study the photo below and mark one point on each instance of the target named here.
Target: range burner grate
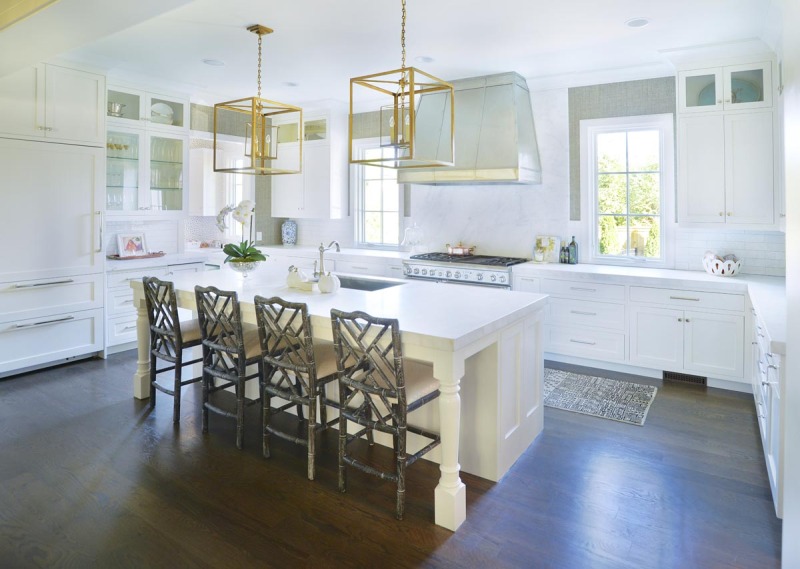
(488, 260)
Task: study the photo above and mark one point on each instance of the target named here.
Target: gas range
(482, 270)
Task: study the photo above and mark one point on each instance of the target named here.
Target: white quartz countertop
(458, 315)
(767, 294)
(313, 252)
(168, 259)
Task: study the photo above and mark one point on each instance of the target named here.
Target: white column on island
(450, 497)
(141, 378)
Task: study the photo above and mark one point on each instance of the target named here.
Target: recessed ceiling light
(214, 62)
(290, 84)
(424, 59)
(637, 22)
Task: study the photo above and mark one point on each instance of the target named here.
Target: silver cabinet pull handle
(66, 281)
(128, 328)
(582, 342)
(100, 233)
(43, 322)
(768, 383)
(583, 313)
(684, 298)
(583, 289)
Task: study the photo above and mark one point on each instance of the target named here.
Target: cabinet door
(749, 196)
(317, 181)
(656, 338)
(700, 90)
(747, 86)
(51, 193)
(125, 169)
(74, 105)
(701, 169)
(167, 161)
(774, 446)
(526, 284)
(19, 112)
(714, 344)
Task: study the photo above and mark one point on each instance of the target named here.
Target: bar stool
(377, 390)
(297, 369)
(229, 347)
(168, 338)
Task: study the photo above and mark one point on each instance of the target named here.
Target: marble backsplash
(761, 253)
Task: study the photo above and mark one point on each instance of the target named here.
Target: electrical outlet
(259, 235)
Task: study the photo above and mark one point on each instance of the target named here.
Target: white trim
(589, 128)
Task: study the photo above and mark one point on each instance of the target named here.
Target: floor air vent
(684, 377)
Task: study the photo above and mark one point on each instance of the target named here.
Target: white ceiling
(320, 44)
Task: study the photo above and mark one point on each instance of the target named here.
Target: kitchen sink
(367, 283)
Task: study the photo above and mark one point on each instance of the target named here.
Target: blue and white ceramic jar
(289, 232)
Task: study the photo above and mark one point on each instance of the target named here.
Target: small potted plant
(243, 257)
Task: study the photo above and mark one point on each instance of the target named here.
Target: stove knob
(494, 278)
(424, 271)
(439, 274)
(416, 271)
(448, 274)
(409, 270)
(502, 278)
(480, 276)
(457, 275)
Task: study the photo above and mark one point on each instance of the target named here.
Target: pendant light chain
(403, 35)
(259, 66)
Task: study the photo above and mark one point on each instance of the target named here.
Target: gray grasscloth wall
(202, 119)
(626, 99)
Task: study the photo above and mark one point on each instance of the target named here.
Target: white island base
(486, 350)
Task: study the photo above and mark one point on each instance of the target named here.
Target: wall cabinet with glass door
(729, 88)
(131, 107)
(145, 171)
(320, 191)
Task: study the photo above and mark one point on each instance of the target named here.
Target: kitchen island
(485, 346)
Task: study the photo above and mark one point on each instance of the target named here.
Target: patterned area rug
(607, 398)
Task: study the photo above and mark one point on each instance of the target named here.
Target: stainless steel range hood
(495, 139)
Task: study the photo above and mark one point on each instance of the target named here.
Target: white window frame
(357, 183)
(589, 129)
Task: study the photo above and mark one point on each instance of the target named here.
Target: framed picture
(131, 244)
(546, 249)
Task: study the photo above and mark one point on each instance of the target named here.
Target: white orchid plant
(244, 252)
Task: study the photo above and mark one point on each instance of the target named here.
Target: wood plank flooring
(89, 477)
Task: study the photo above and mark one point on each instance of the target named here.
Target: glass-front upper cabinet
(732, 87)
(129, 106)
(314, 129)
(144, 172)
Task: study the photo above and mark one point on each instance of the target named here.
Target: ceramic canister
(289, 232)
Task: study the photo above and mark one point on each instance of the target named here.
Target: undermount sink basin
(367, 283)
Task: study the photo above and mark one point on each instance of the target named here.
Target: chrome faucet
(322, 250)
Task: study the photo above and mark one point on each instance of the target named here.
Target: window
(627, 170)
(379, 203)
(236, 187)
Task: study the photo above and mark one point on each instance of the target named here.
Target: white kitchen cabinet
(120, 311)
(137, 108)
(145, 171)
(726, 169)
(524, 283)
(53, 103)
(360, 267)
(732, 87)
(320, 190)
(687, 341)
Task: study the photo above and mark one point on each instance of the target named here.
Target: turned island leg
(141, 378)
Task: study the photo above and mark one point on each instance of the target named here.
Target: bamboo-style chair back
(162, 313)
(221, 329)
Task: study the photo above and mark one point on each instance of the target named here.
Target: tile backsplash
(159, 235)
(761, 253)
(202, 228)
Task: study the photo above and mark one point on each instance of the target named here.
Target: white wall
(791, 101)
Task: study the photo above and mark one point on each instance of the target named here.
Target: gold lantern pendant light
(416, 119)
(258, 120)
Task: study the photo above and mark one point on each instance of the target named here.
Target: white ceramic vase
(329, 283)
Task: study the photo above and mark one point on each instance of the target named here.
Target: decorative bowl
(721, 267)
(244, 267)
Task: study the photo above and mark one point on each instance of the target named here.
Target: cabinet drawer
(359, 267)
(687, 298)
(31, 299)
(582, 289)
(121, 330)
(526, 284)
(585, 313)
(119, 302)
(31, 342)
(394, 271)
(585, 343)
(123, 278)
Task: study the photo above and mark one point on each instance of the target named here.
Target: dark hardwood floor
(89, 477)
